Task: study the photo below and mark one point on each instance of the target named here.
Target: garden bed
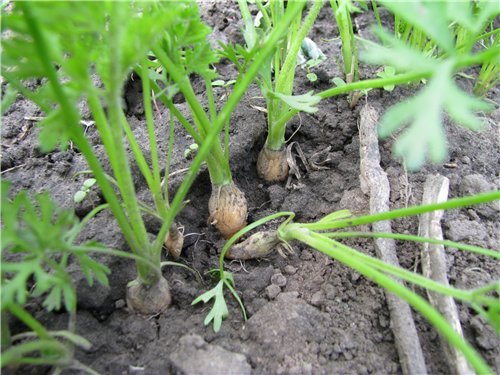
(307, 313)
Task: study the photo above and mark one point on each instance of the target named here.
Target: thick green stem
(287, 72)
(276, 137)
(344, 24)
(220, 172)
(285, 78)
(123, 173)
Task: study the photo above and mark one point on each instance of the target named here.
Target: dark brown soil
(307, 313)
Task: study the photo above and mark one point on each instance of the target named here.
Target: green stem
(211, 101)
(404, 212)
(343, 24)
(287, 72)
(27, 319)
(14, 355)
(161, 205)
(249, 32)
(170, 150)
(119, 253)
(173, 109)
(285, 77)
(122, 173)
(5, 334)
(220, 172)
(409, 237)
(377, 14)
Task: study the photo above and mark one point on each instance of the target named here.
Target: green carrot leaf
(394, 53)
(423, 114)
(305, 103)
(42, 235)
(219, 309)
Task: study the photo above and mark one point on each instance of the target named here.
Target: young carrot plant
(323, 236)
(179, 59)
(38, 242)
(276, 77)
(103, 40)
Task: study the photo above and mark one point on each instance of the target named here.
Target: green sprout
(190, 151)
(84, 190)
(388, 72)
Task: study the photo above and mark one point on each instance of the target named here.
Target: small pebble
(273, 291)
(278, 279)
(355, 276)
(318, 299)
(120, 304)
(290, 270)
(466, 160)
(306, 255)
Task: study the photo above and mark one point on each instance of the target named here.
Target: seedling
(309, 57)
(276, 77)
(191, 151)
(224, 85)
(38, 240)
(388, 72)
(84, 190)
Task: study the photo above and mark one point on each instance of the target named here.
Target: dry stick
(374, 181)
(434, 267)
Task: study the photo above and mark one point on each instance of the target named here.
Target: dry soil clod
(228, 209)
(148, 299)
(272, 166)
(257, 245)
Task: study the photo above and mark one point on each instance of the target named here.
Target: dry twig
(374, 182)
(434, 267)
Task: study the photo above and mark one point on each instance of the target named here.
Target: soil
(307, 313)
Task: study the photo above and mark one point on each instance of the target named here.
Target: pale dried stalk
(434, 267)
(375, 183)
